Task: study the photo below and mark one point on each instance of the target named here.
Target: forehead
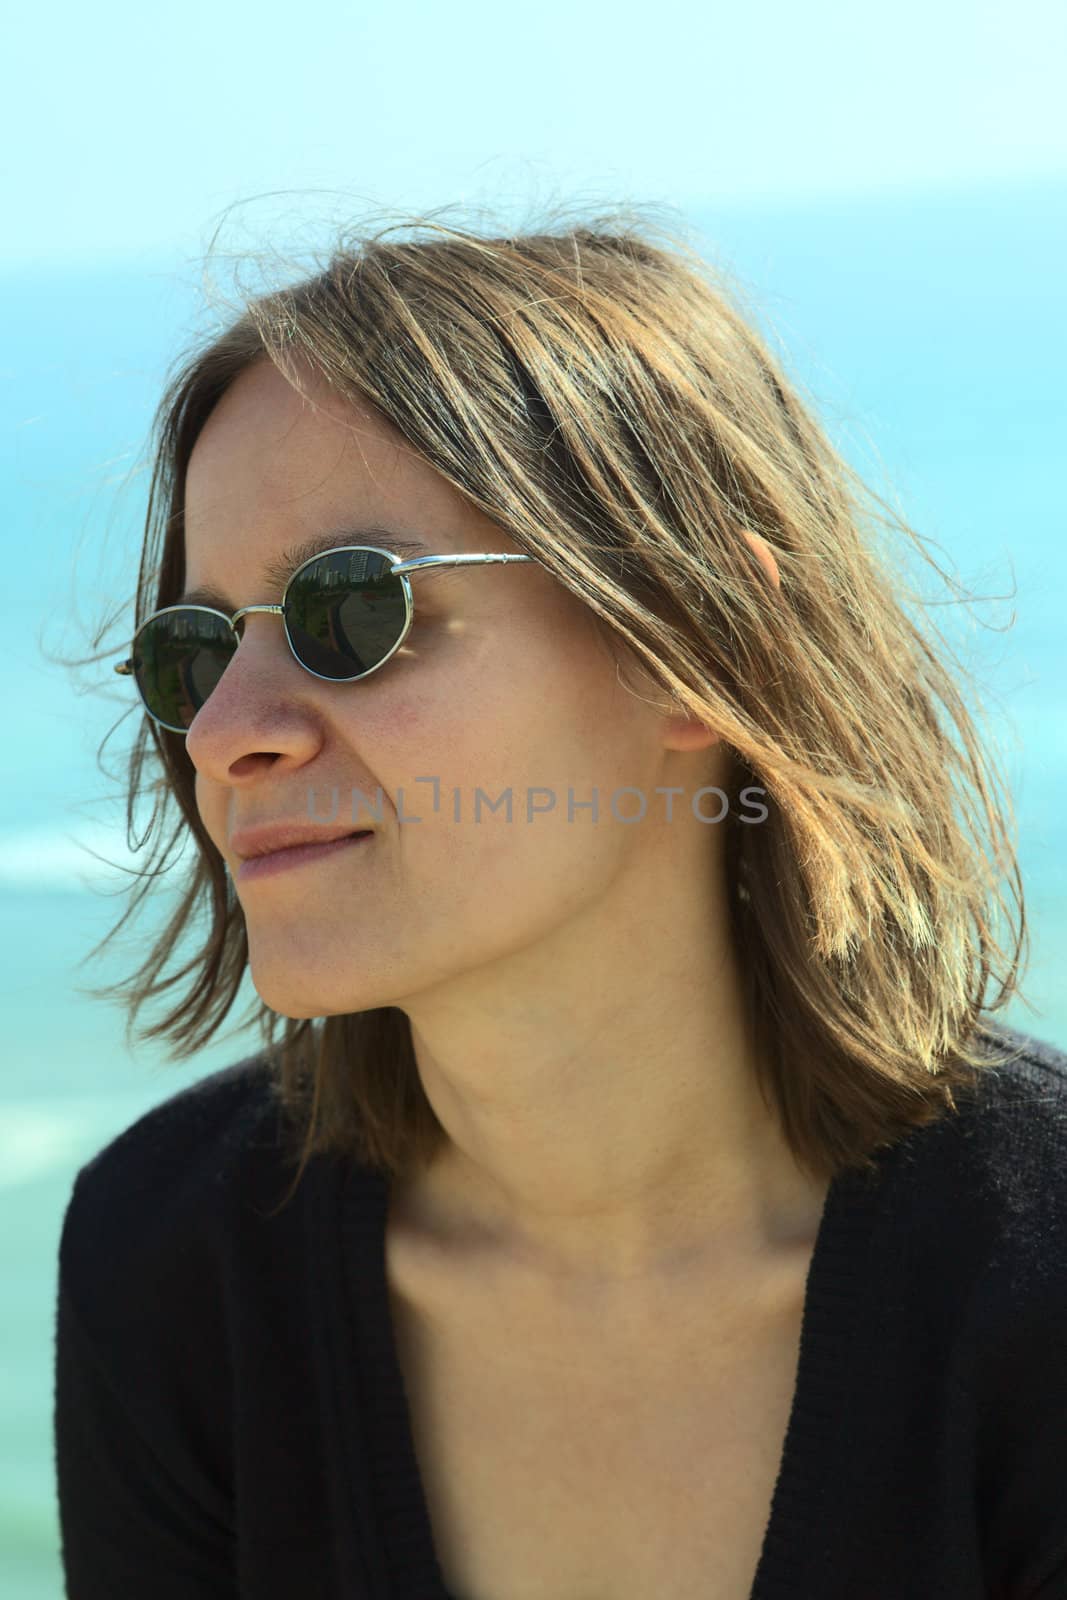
(274, 468)
(268, 443)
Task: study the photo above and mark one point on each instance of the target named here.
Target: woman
(668, 1217)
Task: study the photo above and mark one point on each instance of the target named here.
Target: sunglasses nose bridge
(237, 622)
(277, 611)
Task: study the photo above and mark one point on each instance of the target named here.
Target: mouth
(299, 855)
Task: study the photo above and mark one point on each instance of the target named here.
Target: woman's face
(505, 681)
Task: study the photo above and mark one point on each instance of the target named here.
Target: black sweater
(231, 1418)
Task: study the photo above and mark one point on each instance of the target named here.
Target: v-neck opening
(800, 1495)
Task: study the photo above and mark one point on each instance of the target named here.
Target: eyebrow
(276, 573)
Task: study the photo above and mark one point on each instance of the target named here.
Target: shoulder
(1015, 1369)
(1017, 1124)
(1019, 1134)
(1009, 1137)
(149, 1209)
(972, 1208)
(1032, 1063)
(985, 1195)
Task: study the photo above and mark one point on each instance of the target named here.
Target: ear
(765, 556)
(686, 733)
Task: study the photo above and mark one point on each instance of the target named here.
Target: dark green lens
(345, 613)
(178, 658)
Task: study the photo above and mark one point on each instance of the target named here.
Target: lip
(261, 839)
(268, 863)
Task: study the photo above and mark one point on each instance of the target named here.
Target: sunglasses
(345, 612)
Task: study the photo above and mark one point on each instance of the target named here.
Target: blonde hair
(601, 396)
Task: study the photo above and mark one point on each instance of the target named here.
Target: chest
(589, 1458)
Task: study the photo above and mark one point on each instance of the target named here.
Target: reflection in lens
(178, 658)
(345, 612)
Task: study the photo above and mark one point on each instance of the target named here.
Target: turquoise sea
(930, 329)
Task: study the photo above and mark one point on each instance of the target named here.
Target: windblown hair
(602, 396)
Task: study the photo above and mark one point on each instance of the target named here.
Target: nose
(261, 710)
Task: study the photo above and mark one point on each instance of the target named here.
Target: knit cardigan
(231, 1421)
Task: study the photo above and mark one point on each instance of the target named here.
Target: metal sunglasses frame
(397, 569)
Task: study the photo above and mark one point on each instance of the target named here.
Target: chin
(285, 994)
(286, 1001)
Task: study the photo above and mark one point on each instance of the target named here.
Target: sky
(128, 130)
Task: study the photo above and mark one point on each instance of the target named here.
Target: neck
(607, 1124)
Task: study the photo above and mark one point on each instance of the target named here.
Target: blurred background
(887, 186)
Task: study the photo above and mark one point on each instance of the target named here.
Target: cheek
(408, 735)
(552, 752)
(525, 715)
